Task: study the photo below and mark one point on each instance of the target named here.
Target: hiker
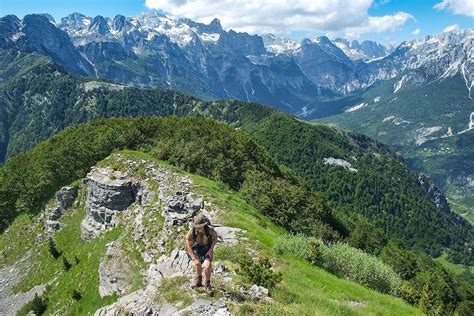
(200, 242)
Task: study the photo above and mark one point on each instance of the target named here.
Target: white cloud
(463, 7)
(450, 28)
(416, 31)
(379, 24)
(261, 16)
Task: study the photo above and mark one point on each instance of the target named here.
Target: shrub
(76, 295)
(38, 305)
(360, 267)
(313, 249)
(53, 250)
(259, 272)
(294, 244)
(66, 264)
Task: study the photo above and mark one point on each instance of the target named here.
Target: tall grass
(344, 260)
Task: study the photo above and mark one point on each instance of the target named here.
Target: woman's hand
(210, 253)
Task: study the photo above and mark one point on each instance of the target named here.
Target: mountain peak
(216, 25)
(99, 24)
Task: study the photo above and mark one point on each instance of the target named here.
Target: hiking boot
(197, 281)
(209, 289)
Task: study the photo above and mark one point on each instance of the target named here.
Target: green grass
(16, 241)
(465, 211)
(171, 291)
(306, 289)
(82, 277)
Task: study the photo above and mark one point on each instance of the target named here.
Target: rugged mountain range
(154, 50)
(209, 62)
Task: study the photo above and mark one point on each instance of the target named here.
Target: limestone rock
(229, 235)
(177, 264)
(206, 307)
(259, 293)
(114, 272)
(64, 199)
(108, 192)
(136, 303)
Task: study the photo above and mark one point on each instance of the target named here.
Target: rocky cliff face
(209, 62)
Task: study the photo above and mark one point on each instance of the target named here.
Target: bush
(53, 250)
(360, 267)
(76, 295)
(66, 264)
(37, 305)
(294, 244)
(313, 249)
(259, 272)
(299, 245)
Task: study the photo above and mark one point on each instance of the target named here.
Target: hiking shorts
(200, 253)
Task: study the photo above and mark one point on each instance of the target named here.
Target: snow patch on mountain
(280, 45)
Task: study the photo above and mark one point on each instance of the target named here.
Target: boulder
(229, 235)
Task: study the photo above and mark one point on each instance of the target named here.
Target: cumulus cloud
(450, 28)
(262, 16)
(463, 7)
(379, 24)
(416, 31)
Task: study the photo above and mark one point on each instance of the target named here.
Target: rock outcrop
(160, 194)
(64, 199)
(109, 192)
(114, 272)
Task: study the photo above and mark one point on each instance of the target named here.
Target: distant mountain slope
(426, 124)
(358, 175)
(210, 63)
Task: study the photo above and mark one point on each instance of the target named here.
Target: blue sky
(387, 21)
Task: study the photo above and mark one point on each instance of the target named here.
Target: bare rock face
(132, 304)
(177, 264)
(114, 276)
(109, 193)
(64, 198)
(229, 235)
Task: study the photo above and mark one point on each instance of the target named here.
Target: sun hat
(199, 221)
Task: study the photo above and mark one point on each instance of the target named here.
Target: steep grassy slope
(305, 289)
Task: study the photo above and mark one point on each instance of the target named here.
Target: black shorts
(201, 253)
